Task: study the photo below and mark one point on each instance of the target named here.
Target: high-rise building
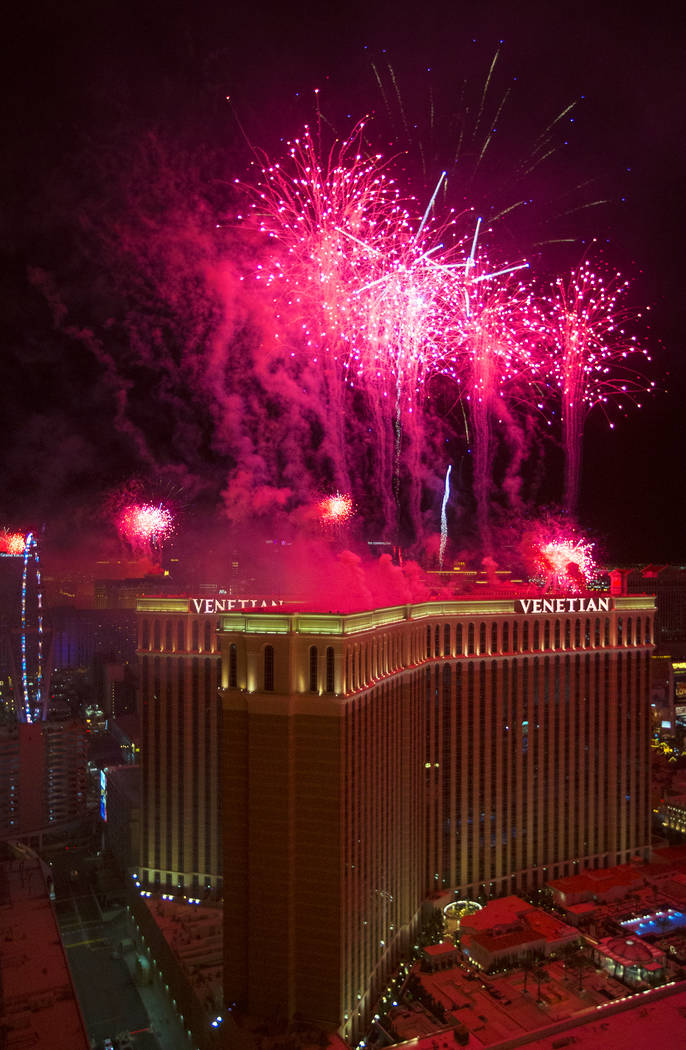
(43, 777)
(179, 679)
(668, 584)
(180, 710)
(370, 760)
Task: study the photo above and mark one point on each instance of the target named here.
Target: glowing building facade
(481, 746)
(180, 740)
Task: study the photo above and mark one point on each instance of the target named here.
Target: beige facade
(181, 728)
(371, 759)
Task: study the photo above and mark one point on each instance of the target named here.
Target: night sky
(120, 150)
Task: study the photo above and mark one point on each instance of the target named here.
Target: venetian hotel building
(181, 809)
(369, 760)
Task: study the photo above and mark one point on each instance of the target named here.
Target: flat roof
(37, 991)
(284, 618)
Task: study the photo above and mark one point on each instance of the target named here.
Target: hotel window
(525, 636)
(639, 638)
(470, 639)
(458, 639)
(269, 668)
(596, 634)
(446, 639)
(537, 631)
(556, 644)
(181, 636)
(208, 637)
(145, 634)
(233, 666)
(546, 634)
(568, 634)
(168, 636)
(195, 632)
(482, 637)
(506, 637)
(157, 636)
(515, 638)
(437, 641)
(494, 637)
(620, 631)
(314, 669)
(428, 641)
(329, 669)
(629, 635)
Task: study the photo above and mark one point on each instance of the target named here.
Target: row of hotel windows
(268, 658)
(565, 634)
(151, 635)
(370, 661)
(585, 633)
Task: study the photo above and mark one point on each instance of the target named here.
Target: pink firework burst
(565, 562)
(357, 288)
(12, 542)
(590, 358)
(145, 526)
(335, 510)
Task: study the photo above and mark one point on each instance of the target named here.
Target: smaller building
(597, 884)
(582, 913)
(439, 956)
(631, 960)
(508, 930)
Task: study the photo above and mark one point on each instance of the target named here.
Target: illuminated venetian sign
(212, 606)
(542, 606)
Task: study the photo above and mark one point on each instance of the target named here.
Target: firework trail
(589, 351)
(444, 517)
(490, 358)
(463, 125)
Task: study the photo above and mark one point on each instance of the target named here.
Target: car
(107, 1044)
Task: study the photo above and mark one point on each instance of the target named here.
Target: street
(103, 974)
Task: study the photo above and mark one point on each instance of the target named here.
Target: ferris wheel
(33, 700)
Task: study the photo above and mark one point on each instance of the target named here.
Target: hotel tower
(370, 760)
(180, 675)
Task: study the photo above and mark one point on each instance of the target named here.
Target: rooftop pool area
(657, 923)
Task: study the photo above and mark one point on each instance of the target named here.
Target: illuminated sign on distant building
(210, 606)
(563, 605)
